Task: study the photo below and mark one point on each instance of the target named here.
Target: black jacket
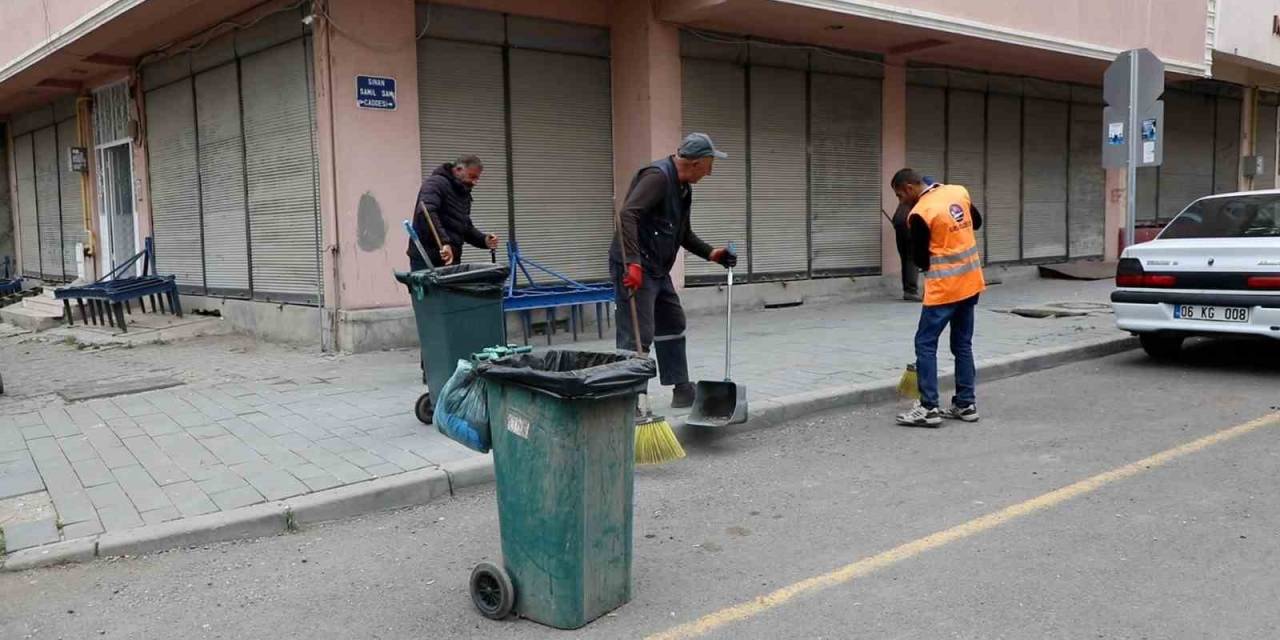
(655, 221)
(449, 202)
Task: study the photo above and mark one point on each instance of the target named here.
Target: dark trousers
(910, 274)
(661, 319)
(960, 315)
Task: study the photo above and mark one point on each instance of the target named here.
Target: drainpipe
(84, 134)
(333, 302)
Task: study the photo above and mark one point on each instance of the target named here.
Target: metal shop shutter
(1187, 172)
(1266, 147)
(461, 109)
(1044, 179)
(1003, 214)
(222, 181)
(713, 101)
(28, 215)
(283, 214)
(1226, 155)
(175, 183)
(561, 116)
(966, 142)
(844, 187)
(779, 204)
(927, 130)
(1086, 211)
(48, 203)
(72, 203)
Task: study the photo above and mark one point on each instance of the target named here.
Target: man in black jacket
(655, 226)
(447, 195)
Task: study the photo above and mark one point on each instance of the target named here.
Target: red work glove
(633, 278)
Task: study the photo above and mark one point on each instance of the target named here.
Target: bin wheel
(491, 591)
(423, 408)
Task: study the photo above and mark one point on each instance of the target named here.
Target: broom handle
(431, 225)
(635, 317)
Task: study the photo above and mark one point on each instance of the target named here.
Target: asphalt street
(848, 526)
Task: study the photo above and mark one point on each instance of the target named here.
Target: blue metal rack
(565, 292)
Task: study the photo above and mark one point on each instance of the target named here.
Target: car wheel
(1161, 346)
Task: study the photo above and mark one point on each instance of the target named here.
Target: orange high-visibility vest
(955, 267)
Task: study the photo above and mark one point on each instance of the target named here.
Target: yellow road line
(849, 572)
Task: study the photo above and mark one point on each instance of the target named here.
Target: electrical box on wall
(1253, 166)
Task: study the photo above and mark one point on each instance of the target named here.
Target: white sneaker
(919, 416)
(957, 412)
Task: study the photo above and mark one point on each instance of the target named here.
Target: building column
(893, 154)
(1248, 127)
(1114, 213)
(646, 95)
(369, 159)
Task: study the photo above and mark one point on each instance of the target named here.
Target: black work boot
(682, 395)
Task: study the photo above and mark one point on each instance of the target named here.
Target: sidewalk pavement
(239, 438)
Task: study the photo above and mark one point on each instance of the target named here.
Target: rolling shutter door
(1226, 170)
(714, 102)
(72, 200)
(1087, 205)
(1187, 172)
(222, 181)
(28, 218)
(48, 203)
(1044, 175)
(175, 184)
(1266, 146)
(1003, 214)
(779, 204)
(9, 243)
(966, 139)
(461, 110)
(561, 117)
(927, 131)
(283, 216)
(845, 172)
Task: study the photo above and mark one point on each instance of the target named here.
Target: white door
(118, 217)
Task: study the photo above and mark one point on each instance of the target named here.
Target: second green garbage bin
(458, 310)
(563, 430)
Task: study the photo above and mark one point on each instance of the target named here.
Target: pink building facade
(234, 134)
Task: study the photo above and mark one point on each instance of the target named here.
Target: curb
(420, 487)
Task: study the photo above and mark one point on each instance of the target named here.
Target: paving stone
(136, 409)
(146, 450)
(24, 535)
(189, 499)
(208, 431)
(119, 517)
(384, 470)
(166, 474)
(105, 409)
(323, 482)
(45, 449)
(108, 495)
(20, 483)
(222, 481)
(93, 472)
(83, 416)
(230, 450)
(141, 488)
(82, 529)
(34, 433)
(156, 516)
(293, 442)
(307, 471)
(28, 420)
(158, 425)
(253, 467)
(17, 455)
(443, 451)
(102, 438)
(344, 471)
(191, 419)
(362, 459)
(117, 457)
(336, 445)
(77, 448)
(403, 459)
(59, 476)
(235, 498)
(277, 485)
(74, 507)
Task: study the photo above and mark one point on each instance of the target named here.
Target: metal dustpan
(719, 403)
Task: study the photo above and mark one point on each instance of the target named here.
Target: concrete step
(41, 304)
(31, 319)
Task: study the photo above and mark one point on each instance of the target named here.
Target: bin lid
(573, 374)
(463, 278)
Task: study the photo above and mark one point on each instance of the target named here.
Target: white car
(1214, 270)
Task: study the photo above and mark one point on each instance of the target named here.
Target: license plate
(1209, 313)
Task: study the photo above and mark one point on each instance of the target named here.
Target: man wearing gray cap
(655, 225)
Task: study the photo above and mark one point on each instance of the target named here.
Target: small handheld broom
(656, 442)
(909, 385)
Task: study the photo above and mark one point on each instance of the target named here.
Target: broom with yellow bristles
(656, 442)
(909, 385)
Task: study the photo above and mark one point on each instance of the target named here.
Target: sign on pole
(374, 92)
(1133, 121)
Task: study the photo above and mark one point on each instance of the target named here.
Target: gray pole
(1133, 140)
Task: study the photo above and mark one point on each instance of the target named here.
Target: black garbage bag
(484, 280)
(572, 374)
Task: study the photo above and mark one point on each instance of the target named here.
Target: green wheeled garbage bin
(563, 431)
(458, 310)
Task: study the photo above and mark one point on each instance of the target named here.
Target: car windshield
(1248, 216)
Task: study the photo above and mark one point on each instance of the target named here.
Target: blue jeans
(932, 321)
